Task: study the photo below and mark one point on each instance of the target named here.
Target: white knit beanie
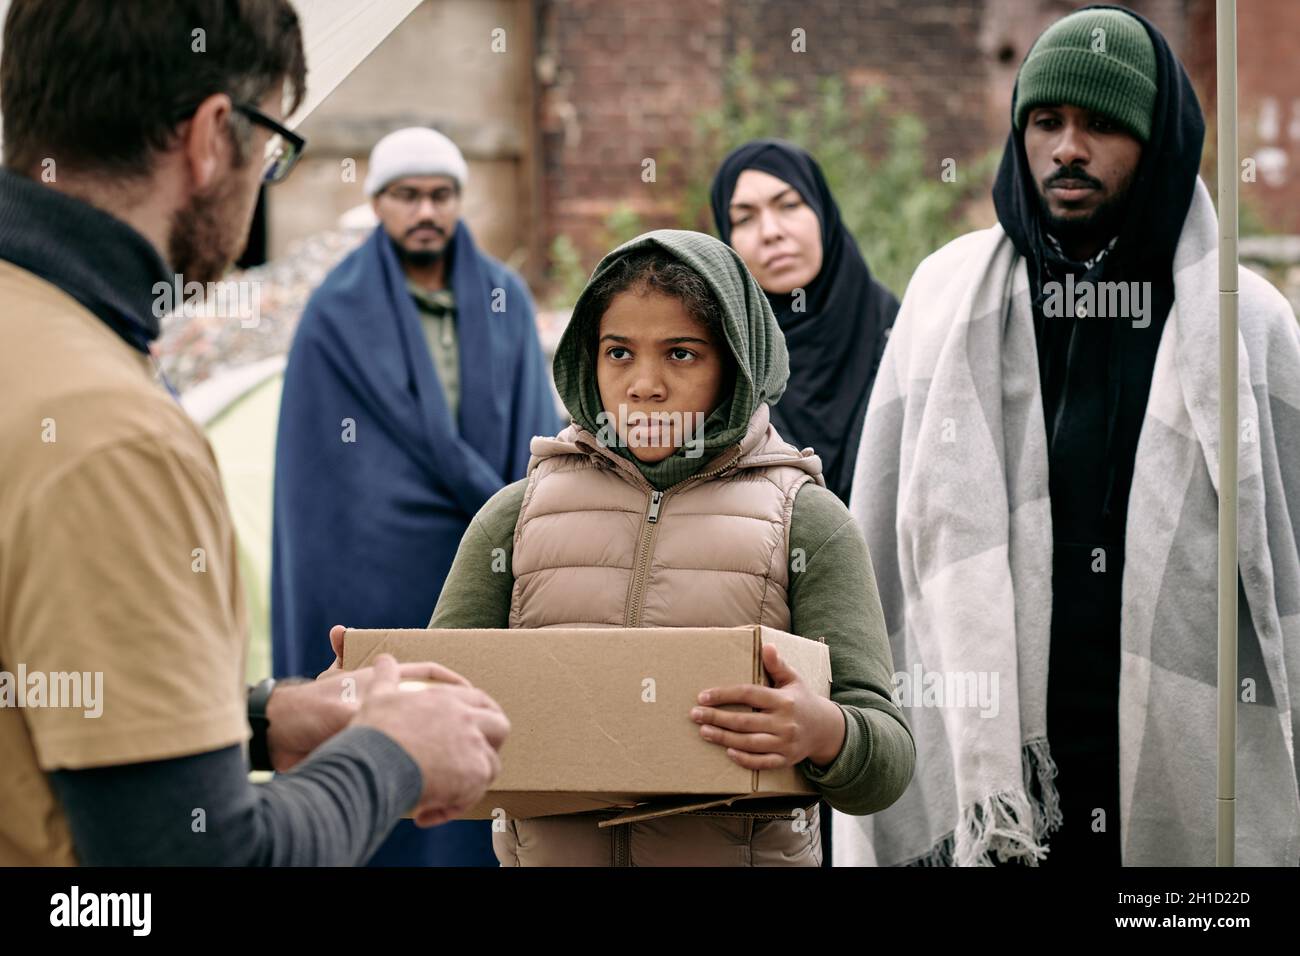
(414, 151)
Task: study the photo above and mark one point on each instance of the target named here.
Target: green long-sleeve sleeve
(478, 586)
(832, 596)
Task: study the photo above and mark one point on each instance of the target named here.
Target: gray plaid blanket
(951, 492)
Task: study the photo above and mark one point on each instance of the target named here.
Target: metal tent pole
(1226, 22)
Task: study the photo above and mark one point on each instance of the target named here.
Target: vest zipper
(641, 569)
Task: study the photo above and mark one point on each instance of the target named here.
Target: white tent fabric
(206, 401)
(242, 436)
(337, 36)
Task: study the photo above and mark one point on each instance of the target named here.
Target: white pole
(1225, 844)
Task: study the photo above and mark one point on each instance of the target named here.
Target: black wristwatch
(259, 753)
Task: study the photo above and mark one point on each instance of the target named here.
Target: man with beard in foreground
(132, 161)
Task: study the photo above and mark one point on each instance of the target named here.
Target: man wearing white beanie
(404, 166)
(414, 151)
(414, 384)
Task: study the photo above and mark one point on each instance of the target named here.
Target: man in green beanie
(1083, 104)
(1036, 484)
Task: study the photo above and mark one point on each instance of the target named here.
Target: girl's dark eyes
(791, 205)
(681, 355)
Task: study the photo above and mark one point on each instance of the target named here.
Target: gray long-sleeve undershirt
(333, 809)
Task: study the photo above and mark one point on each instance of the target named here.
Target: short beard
(1101, 224)
(204, 240)
(420, 259)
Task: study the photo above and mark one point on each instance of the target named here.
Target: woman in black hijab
(835, 316)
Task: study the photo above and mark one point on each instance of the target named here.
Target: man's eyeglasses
(442, 197)
(282, 151)
(284, 148)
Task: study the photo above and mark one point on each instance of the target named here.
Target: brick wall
(925, 53)
(620, 81)
(1268, 101)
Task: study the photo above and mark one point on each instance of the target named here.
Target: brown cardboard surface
(600, 716)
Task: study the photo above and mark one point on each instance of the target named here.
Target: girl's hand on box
(789, 722)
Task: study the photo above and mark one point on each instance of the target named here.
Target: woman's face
(660, 373)
(775, 231)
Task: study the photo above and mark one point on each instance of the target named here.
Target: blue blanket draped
(374, 482)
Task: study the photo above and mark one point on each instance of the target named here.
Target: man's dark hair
(101, 86)
(654, 271)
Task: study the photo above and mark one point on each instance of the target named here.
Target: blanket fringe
(1012, 824)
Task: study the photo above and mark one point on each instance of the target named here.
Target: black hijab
(1092, 431)
(836, 341)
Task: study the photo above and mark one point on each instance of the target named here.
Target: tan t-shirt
(119, 593)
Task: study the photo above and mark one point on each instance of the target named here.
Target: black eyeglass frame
(279, 166)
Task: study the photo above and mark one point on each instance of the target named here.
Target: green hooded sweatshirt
(834, 595)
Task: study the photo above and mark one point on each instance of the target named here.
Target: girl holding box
(635, 516)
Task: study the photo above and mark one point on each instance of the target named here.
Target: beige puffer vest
(595, 545)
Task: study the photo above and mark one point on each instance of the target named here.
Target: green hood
(756, 341)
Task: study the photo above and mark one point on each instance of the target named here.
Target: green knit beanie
(1099, 60)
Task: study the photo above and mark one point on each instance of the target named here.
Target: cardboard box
(600, 717)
